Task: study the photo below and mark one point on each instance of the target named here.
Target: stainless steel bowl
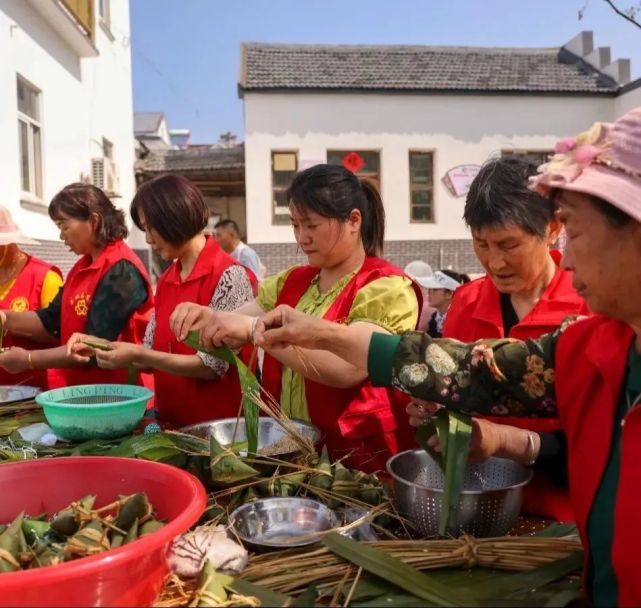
(18, 392)
(269, 432)
(282, 523)
(490, 500)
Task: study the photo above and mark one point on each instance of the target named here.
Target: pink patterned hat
(9, 231)
(604, 162)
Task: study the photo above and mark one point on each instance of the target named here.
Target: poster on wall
(458, 179)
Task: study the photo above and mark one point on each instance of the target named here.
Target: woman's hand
(119, 356)
(229, 328)
(187, 317)
(285, 326)
(15, 360)
(419, 411)
(486, 440)
(78, 351)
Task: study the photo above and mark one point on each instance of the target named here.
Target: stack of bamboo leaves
(516, 571)
(80, 530)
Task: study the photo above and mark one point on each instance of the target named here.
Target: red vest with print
(181, 400)
(365, 423)
(475, 314)
(25, 295)
(590, 363)
(78, 291)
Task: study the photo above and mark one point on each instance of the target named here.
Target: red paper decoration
(353, 161)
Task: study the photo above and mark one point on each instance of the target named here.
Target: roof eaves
(433, 91)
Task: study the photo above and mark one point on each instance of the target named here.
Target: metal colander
(490, 500)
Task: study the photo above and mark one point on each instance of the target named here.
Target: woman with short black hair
(190, 387)
(524, 294)
(107, 293)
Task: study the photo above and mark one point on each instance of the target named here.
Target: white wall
(460, 129)
(82, 101)
(627, 102)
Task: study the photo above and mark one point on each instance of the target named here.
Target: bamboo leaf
(395, 571)
(266, 596)
(454, 431)
(519, 582)
(248, 382)
(307, 599)
(227, 467)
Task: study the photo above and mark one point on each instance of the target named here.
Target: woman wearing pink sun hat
(588, 373)
(26, 283)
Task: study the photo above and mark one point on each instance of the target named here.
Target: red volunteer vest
(368, 424)
(78, 291)
(180, 400)
(475, 313)
(591, 359)
(25, 296)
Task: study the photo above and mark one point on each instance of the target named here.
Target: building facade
(419, 121)
(66, 111)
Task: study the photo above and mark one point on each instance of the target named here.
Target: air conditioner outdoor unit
(104, 175)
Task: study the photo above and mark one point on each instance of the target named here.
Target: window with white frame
(29, 139)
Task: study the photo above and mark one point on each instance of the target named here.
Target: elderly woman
(524, 294)
(590, 370)
(107, 293)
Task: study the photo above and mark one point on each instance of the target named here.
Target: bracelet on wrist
(531, 450)
(252, 331)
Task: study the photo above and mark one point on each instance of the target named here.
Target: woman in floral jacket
(589, 370)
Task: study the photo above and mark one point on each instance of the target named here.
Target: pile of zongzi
(75, 532)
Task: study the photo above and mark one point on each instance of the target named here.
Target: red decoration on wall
(353, 161)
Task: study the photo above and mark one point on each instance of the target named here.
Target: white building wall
(627, 102)
(82, 101)
(460, 129)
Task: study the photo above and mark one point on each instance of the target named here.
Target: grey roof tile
(192, 159)
(418, 68)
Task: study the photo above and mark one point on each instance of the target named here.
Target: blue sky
(186, 53)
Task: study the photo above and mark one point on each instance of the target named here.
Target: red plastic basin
(128, 576)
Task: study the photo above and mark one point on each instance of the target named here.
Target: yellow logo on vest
(19, 304)
(80, 303)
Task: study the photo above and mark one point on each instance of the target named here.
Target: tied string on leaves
(468, 551)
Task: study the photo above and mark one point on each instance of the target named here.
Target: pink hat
(604, 162)
(9, 231)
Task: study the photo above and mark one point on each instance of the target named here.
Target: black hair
(459, 277)
(81, 201)
(500, 196)
(173, 206)
(229, 224)
(334, 192)
(614, 216)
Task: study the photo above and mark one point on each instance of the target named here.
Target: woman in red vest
(339, 224)
(190, 387)
(107, 293)
(26, 283)
(524, 294)
(590, 369)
